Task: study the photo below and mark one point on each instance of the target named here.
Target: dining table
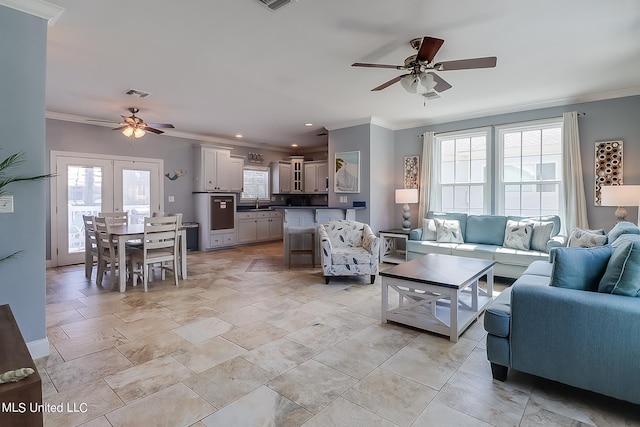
(126, 233)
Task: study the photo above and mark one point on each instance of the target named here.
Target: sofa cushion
(539, 268)
(448, 231)
(622, 275)
(580, 268)
(429, 229)
(623, 227)
(517, 235)
(541, 234)
(586, 238)
(485, 229)
(474, 250)
(461, 217)
(341, 255)
(518, 257)
(497, 316)
(426, 247)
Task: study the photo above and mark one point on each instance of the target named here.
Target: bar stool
(291, 231)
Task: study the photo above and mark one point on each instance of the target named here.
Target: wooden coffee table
(437, 293)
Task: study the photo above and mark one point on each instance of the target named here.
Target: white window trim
(436, 192)
(261, 169)
(520, 126)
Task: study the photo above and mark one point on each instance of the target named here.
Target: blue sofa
(588, 339)
(483, 237)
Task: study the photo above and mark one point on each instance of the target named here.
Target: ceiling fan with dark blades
(421, 67)
(134, 126)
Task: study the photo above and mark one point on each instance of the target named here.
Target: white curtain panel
(426, 172)
(574, 210)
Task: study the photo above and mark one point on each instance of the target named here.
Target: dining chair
(180, 254)
(115, 219)
(159, 245)
(90, 246)
(107, 251)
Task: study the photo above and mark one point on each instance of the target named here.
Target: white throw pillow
(518, 235)
(541, 234)
(429, 229)
(448, 231)
(586, 238)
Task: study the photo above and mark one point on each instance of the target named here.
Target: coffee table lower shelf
(440, 322)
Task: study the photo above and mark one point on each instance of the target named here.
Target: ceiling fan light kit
(421, 67)
(134, 126)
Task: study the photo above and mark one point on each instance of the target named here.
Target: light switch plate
(6, 204)
(172, 199)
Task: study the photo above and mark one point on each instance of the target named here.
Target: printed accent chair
(348, 248)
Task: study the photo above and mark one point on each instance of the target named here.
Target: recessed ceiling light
(294, 145)
(238, 135)
(308, 124)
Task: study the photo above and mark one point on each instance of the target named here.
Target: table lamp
(620, 196)
(405, 196)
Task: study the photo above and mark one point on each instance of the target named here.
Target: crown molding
(39, 8)
(362, 121)
(518, 108)
(207, 139)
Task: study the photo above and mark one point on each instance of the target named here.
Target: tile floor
(246, 342)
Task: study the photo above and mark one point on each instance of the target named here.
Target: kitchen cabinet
(315, 177)
(297, 174)
(236, 174)
(213, 169)
(259, 226)
(280, 177)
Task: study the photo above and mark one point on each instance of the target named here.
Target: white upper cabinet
(236, 174)
(315, 177)
(213, 169)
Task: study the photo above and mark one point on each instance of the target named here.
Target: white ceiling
(221, 67)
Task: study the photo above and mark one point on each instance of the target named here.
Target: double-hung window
(462, 162)
(530, 172)
(526, 179)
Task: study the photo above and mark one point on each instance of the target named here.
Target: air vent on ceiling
(138, 93)
(275, 4)
(431, 95)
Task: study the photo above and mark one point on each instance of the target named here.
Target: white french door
(87, 184)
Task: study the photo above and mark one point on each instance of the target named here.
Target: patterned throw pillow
(586, 238)
(518, 235)
(429, 229)
(448, 231)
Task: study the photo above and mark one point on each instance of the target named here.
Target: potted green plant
(6, 166)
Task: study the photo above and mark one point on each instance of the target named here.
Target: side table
(389, 251)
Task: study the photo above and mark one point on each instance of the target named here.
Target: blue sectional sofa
(575, 320)
(483, 237)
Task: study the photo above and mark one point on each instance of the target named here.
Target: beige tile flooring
(246, 342)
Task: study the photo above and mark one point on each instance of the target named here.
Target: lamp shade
(410, 83)
(620, 195)
(407, 195)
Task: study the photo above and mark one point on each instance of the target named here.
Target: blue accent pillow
(580, 268)
(485, 229)
(622, 227)
(622, 276)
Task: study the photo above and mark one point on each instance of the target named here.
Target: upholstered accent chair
(348, 248)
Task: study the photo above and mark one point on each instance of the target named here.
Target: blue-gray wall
(613, 119)
(22, 128)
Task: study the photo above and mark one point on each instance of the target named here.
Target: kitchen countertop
(318, 207)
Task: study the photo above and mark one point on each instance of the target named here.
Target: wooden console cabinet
(17, 400)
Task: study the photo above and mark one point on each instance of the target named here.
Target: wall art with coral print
(411, 171)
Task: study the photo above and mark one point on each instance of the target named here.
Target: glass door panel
(137, 189)
(82, 187)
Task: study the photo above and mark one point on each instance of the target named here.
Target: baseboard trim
(38, 348)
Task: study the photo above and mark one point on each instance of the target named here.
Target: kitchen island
(309, 216)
